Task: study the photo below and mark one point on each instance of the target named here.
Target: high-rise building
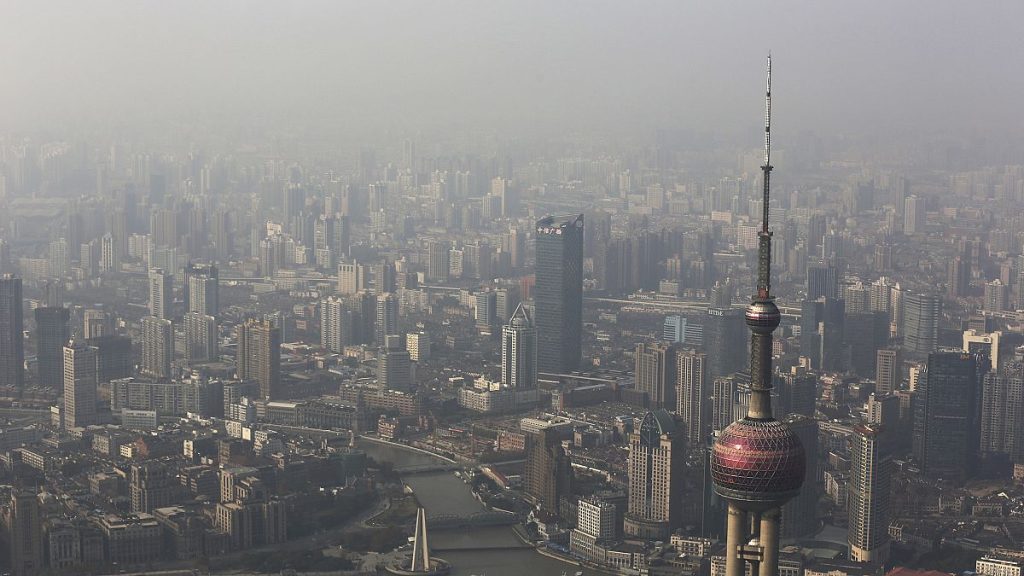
(887, 375)
(353, 277)
(1002, 412)
(52, 333)
(558, 293)
(800, 515)
(997, 296)
(332, 324)
(79, 385)
(387, 317)
(200, 337)
(870, 479)
(418, 345)
(157, 347)
(657, 462)
(438, 261)
(394, 365)
(384, 277)
(913, 215)
(656, 373)
(259, 356)
(25, 534)
(758, 463)
(519, 351)
(822, 281)
(202, 289)
(12, 329)
(921, 313)
(161, 294)
(694, 396)
(548, 471)
(946, 417)
(113, 357)
(724, 341)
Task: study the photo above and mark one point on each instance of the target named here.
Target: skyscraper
(387, 317)
(332, 332)
(353, 277)
(202, 289)
(157, 347)
(259, 356)
(913, 215)
(657, 462)
(519, 351)
(822, 281)
(79, 385)
(558, 293)
(161, 294)
(12, 327)
(946, 421)
(870, 479)
(548, 473)
(656, 372)
(800, 515)
(25, 534)
(438, 261)
(724, 341)
(694, 396)
(886, 371)
(921, 313)
(200, 337)
(758, 463)
(52, 333)
(394, 365)
(1002, 412)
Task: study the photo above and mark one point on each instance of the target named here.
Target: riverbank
(376, 440)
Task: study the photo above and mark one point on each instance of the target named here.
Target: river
(443, 493)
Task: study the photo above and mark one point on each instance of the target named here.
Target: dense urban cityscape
(268, 352)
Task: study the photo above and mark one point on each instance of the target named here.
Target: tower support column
(736, 535)
(769, 539)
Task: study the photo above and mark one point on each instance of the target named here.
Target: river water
(444, 493)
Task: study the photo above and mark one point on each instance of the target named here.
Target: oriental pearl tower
(757, 463)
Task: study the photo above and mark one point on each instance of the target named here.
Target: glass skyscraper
(558, 293)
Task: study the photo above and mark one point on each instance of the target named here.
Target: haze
(513, 68)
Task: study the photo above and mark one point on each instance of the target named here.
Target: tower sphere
(763, 316)
(757, 463)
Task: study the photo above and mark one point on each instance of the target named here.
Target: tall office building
(25, 534)
(724, 341)
(353, 277)
(757, 462)
(386, 323)
(12, 329)
(946, 416)
(913, 215)
(519, 351)
(1002, 412)
(79, 385)
(822, 281)
(657, 462)
(800, 515)
(200, 337)
(548, 471)
(384, 277)
(438, 261)
(202, 292)
(394, 365)
(870, 479)
(558, 293)
(157, 347)
(997, 296)
(161, 294)
(694, 396)
(52, 333)
(259, 356)
(656, 373)
(332, 320)
(113, 357)
(921, 314)
(887, 366)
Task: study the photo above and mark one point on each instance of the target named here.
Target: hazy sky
(514, 65)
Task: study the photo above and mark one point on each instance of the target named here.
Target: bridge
(426, 468)
(477, 520)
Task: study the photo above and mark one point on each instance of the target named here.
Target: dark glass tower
(558, 293)
(52, 334)
(12, 327)
(946, 420)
